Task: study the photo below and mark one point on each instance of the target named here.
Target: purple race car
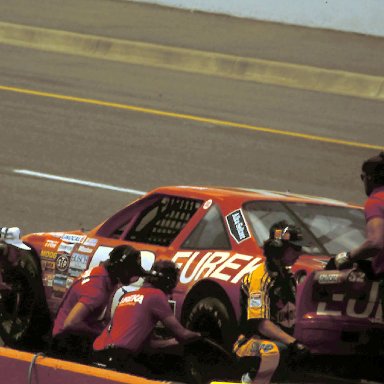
(340, 312)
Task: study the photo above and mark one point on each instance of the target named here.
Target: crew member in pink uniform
(79, 318)
(373, 247)
(127, 342)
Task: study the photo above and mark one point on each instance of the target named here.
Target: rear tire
(24, 315)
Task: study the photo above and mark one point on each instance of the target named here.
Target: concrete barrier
(18, 367)
(249, 69)
(358, 16)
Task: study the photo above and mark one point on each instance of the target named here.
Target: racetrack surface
(136, 127)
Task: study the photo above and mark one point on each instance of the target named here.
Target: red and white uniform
(134, 320)
(93, 288)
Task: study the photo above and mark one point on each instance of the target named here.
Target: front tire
(211, 317)
(24, 315)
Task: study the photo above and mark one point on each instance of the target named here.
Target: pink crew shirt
(374, 207)
(93, 288)
(134, 320)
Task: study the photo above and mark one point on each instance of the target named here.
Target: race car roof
(244, 194)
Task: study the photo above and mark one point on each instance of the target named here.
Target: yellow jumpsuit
(265, 299)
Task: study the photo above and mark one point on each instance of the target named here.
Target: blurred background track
(200, 31)
(137, 126)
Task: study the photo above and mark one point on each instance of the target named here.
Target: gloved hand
(297, 354)
(343, 260)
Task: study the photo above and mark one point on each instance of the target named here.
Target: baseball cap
(11, 236)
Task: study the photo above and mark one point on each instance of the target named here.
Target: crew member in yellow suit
(268, 308)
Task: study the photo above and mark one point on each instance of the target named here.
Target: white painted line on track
(77, 181)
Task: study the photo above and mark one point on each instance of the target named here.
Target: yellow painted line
(198, 119)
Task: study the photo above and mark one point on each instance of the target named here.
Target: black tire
(206, 361)
(211, 317)
(24, 315)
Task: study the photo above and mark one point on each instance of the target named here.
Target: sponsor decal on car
(73, 272)
(207, 204)
(60, 283)
(238, 226)
(217, 265)
(90, 242)
(47, 265)
(69, 282)
(62, 263)
(85, 249)
(71, 238)
(48, 254)
(65, 247)
(51, 244)
(79, 262)
(373, 309)
(357, 277)
(329, 278)
(48, 279)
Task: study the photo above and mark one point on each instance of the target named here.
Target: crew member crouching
(268, 308)
(79, 319)
(127, 343)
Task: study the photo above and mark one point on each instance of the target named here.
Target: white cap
(11, 236)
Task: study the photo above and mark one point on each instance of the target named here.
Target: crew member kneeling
(79, 319)
(268, 307)
(126, 342)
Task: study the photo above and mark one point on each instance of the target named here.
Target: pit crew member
(373, 247)
(79, 318)
(10, 246)
(127, 343)
(268, 308)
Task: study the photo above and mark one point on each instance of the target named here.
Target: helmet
(283, 235)
(163, 275)
(374, 167)
(125, 258)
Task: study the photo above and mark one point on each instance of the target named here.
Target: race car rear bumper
(340, 335)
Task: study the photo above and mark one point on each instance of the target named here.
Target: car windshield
(326, 229)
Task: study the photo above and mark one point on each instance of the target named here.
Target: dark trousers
(72, 347)
(196, 363)
(149, 365)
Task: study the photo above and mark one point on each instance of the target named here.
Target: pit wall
(359, 16)
(17, 367)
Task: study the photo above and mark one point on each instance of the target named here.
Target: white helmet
(11, 236)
